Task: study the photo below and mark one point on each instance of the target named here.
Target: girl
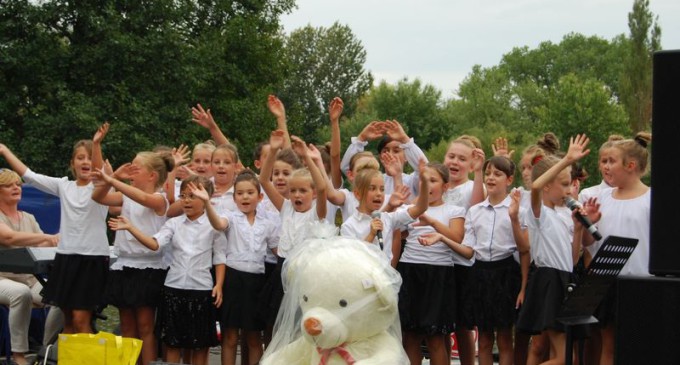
(249, 232)
(369, 190)
(428, 288)
(548, 145)
(625, 212)
(306, 189)
(187, 316)
(81, 265)
(137, 276)
(395, 141)
(344, 198)
(493, 233)
(555, 242)
(223, 164)
(464, 155)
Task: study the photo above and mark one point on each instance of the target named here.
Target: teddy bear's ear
(384, 290)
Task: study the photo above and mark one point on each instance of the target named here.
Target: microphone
(376, 214)
(575, 206)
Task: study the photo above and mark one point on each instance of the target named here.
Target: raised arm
(205, 119)
(276, 142)
(521, 237)
(335, 111)
(304, 152)
(422, 202)
(577, 150)
(13, 161)
(277, 108)
(97, 157)
(373, 130)
(102, 192)
(156, 202)
(121, 223)
(217, 222)
(478, 194)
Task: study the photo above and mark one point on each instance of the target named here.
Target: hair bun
(643, 139)
(549, 143)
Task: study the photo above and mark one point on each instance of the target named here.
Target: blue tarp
(44, 207)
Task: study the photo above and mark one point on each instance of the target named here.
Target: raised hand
(515, 199)
(373, 130)
(185, 171)
(395, 131)
(478, 158)
(119, 223)
(335, 109)
(500, 148)
(313, 153)
(202, 117)
(299, 146)
(577, 148)
(392, 164)
(101, 133)
(126, 171)
(399, 196)
(429, 239)
(276, 140)
(592, 210)
(100, 174)
(276, 107)
(181, 155)
(199, 192)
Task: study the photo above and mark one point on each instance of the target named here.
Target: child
(555, 242)
(369, 190)
(298, 211)
(606, 183)
(224, 163)
(187, 316)
(249, 232)
(136, 278)
(548, 145)
(625, 212)
(464, 155)
(493, 233)
(344, 198)
(428, 288)
(395, 141)
(81, 265)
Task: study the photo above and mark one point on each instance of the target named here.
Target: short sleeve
(470, 238)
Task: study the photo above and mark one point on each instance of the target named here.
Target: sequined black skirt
(187, 318)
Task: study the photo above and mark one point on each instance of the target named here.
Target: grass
(111, 324)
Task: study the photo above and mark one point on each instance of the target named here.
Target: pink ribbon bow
(340, 350)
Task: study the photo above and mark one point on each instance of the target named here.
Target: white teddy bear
(347, 297)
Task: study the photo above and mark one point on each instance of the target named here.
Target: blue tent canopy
(45, 208)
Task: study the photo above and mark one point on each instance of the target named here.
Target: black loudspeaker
(648, 321)
(664, 240)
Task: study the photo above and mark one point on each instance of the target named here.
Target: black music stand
(576, 314)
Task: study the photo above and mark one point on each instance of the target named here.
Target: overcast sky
(438, 41)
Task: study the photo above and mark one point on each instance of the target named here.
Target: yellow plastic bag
(103, 348)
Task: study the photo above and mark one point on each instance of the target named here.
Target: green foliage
(323, 63)
(66, 67)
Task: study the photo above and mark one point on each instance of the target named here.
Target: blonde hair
(610, 141)
(363, 181)
(205, 146)
(9, 177)
(636, 149)
(466, 140)
(367, 163)
(303, 173)
(228, 148)
(159, 162)
(542, 166)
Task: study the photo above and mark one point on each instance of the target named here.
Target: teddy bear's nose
(313, 326)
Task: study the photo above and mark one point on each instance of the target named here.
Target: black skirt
(462, 273)
(491, 294)
(135, 288)
(239, 307)
(427, 298)
(76, 281)
(269, 300)
(545, 294)
(187, 319)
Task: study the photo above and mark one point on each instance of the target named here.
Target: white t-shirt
(551, 236)
(82, 228)
(438, 254)
(359, 226)
(460, 196)
(351, 204)
(195, 247)
(247, 244)
(295, 226)
(592, 192)
(130, 252)
(488, 230)
(627, 218)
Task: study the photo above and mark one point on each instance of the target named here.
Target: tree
(323, 63)
(636, 77)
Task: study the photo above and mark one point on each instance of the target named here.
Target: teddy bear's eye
(343, 303)
(304, 297)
